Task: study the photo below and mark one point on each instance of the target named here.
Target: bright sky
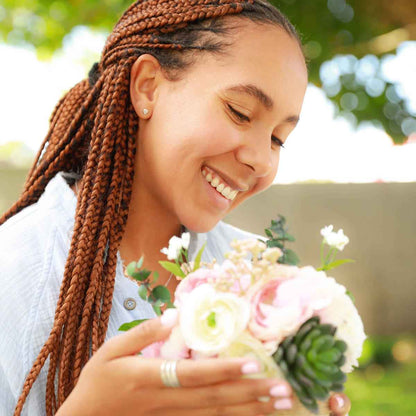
(322, 148)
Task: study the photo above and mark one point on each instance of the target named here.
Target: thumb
(139, 337)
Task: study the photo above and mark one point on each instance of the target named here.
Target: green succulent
(311, 361)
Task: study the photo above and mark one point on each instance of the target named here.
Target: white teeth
(224, 190)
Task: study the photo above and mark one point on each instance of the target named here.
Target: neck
(147, 231)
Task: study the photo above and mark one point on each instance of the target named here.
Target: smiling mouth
(219, 184)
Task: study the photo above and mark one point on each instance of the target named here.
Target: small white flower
(175, 246)
(186, 238)
(174, 249)
(211, 320)
(334, 239)
(327, 230)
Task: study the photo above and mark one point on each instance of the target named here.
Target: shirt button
(129, 304)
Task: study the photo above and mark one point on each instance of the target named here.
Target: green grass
(383, 390)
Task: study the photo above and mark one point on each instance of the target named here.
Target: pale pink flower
(174, 348)
(193, 280)
(280, 306)
(152, 350)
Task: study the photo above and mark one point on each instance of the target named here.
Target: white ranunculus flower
(343, 314)
(211, 320)
(334, 239)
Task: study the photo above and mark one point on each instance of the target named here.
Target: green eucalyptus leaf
(291, 257)
(157, 310)
(172, 268)
(143, 289)
(161, 293)
(140, 262)
(131, 268)
(132, 324)
(155, 277)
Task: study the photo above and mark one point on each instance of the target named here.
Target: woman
(181, 120)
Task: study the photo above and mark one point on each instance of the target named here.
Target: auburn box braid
(92, 134)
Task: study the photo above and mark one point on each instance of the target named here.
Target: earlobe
(144, 81)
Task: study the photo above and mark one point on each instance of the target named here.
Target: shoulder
(220, 237)
(33, 251)
(27, 237)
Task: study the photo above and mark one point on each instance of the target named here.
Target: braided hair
(92, 135)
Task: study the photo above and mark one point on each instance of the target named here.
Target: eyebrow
(261, 96)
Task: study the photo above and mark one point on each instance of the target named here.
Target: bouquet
(297, 322)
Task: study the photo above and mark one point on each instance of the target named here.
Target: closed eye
(243, 118)
(278, 141)
(240, 116)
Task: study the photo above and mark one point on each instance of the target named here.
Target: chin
(201, 224)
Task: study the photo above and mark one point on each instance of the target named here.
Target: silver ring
(168, 374)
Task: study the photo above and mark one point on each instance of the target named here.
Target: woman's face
(212, 140)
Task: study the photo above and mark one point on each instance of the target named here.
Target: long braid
(93, 132)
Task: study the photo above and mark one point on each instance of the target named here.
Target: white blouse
(34, 245)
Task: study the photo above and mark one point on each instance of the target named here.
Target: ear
(146, 75)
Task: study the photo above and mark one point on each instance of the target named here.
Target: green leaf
(336, 263)
(155, 277)
(143, 289)
(268, 233)
(132, 324)
(291, 257)
(161, 293)
(351, 296)
(141, 275)
(140, 263)
(197, 263)
(157, 310)
(172, 268)
(131, 268)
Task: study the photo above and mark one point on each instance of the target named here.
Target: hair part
(92, 135)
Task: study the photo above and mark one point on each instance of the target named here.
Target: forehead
(263, 55)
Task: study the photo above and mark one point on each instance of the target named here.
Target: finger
(339, 404)
(246, 409)
(190, 373)
(226, 394)
(134, 340)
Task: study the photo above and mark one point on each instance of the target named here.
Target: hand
(339, 404)
(116, 381)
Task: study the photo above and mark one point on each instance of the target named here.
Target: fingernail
(280, 390)
(340, 401)
(250, 368)
(169, 317)
(283, 404)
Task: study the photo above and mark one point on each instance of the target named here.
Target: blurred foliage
(346, 43)
(385, 383)
(16, 155)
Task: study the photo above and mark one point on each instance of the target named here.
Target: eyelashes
(244, 119)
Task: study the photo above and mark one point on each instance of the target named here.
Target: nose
(256, 154)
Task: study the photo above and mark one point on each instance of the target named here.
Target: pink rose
(280, 306)
(271, 322)
(193, 280)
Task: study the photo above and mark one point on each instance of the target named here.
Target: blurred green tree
(346, 42)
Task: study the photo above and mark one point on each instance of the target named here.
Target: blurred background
(351, 161)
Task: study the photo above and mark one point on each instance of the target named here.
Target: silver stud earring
(145, 111)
